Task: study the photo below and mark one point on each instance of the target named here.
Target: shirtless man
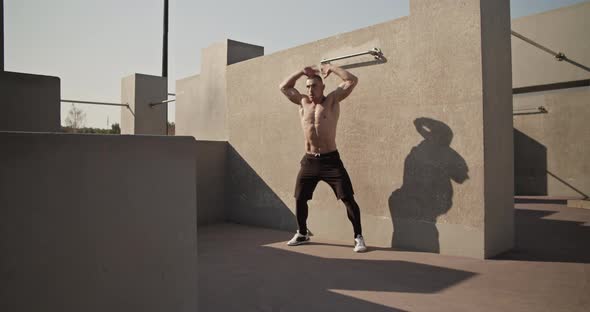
(319, 118)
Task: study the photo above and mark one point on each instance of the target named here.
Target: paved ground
(245, 268)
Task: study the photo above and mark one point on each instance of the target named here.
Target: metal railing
(98, 103)
(559, 56)
(530, 111)
(117, 104)
(375, 52)
(160, 103)
(94, 103)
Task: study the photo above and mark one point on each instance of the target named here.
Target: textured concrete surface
(551, 150)
(561, 30)
(139, 91)
(498, 129)
(97, 223)
(29, 102)
(411, 134)
(186, 119)
(251, 269)
(201, 102)
(212, 168)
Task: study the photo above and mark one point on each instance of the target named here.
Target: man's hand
(326, 70)
(310, 71)
(349, 81)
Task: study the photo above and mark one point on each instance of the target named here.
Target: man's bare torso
(319, 122)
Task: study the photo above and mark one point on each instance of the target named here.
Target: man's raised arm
(288, 86)
(349, 81)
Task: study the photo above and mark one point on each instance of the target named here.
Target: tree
(115, 129)
(76, 118)
(171, 128)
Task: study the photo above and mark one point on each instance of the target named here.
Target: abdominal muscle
(319, 127)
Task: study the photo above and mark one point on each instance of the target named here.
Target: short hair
(318, 77)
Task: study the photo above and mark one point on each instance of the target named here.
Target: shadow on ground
(238, 271)
(547, 230)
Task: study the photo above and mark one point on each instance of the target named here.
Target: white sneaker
(299, 239)
(359, 244)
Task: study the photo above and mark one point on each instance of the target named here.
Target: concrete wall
(425, 136)
(139, 91)
(565, 30)
(97, 223)
(211, 166)
(551, 150)
(201, 105)
(29, 102)
(498, 133)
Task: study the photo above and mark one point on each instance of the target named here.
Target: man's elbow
(353, 82)
(283, 88)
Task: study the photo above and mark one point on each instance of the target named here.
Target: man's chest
(317, 113)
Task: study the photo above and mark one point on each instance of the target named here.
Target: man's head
(315, 88)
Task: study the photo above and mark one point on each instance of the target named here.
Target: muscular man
(319, 118)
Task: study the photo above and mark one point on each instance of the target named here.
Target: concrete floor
(245, 268)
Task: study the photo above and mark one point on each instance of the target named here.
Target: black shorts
(325, 167)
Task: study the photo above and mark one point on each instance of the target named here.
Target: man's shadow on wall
(427, 191)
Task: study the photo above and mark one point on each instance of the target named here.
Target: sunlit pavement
(243, 268)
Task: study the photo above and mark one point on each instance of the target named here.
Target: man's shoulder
(332, 99)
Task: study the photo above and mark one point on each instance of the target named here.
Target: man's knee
(348, 200)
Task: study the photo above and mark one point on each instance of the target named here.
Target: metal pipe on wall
(160, 103)
(558, 55)
(94, 103)
(99, 103)
(375, 52)
(530, 111)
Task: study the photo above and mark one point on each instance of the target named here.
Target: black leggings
(352, 210)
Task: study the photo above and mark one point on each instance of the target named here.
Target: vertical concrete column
(201, 100)
(139, 91)
(1, 35)
(498, 129)
(461, 66)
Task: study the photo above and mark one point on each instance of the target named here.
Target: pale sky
(92, 44)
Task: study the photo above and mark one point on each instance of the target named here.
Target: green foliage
(171, 128)
(115, 129)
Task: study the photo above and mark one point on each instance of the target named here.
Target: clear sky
(92, 44)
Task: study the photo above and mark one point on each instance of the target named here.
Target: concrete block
(29, 102)
(201, 102)
(97, 223)
(139, 91)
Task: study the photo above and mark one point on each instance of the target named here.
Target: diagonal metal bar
(163, 102)
(99, 103)
(558, 55)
